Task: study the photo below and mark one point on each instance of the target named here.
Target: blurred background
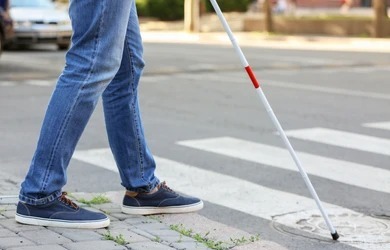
(27, 22)
(323, 64)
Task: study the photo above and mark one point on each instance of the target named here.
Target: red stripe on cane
(252, 77)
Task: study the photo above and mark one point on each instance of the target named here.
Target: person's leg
(145, 195)
(122, 116)
(93, 60)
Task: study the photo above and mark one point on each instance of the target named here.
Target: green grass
(243, 240)
(99, 199)
(180, 229)
(180, 240)
(157, 239)
(117, 239)
(211, 243)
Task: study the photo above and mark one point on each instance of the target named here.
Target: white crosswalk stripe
(343, 139)
(342, 171)
(378, 125)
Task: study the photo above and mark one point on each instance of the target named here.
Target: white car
(39, 21)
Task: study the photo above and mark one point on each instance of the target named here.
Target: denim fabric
(105, 59)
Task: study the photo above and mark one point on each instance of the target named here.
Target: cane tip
(335, 235)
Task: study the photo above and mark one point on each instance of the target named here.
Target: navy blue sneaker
(60, 213)
(163, 201)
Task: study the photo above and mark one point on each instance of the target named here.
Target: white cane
(271, 114)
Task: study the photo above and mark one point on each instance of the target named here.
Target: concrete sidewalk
(182, 231)
(253, 39)
(155, 31)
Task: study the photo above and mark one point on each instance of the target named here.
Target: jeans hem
(40, 201)
(146, 189)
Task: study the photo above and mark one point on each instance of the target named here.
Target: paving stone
(117, 210)
(9, 184)
(112, 218)
(18, 241)
(7, 207)
(164, 232)
(166, 235)
(8, 189)
(80, 204)
(95, 245)
(261, 245)
(107, 206)
(128, 235)
(114, 210)
(12, 225)
(7, 233)
(139, 220)
(201, 225)
(86, 196)
(189, 246)
(9, 214)
(45, 247)
(102, 231)
(148, 246)
(143, 233)
(177, 239)
(151, 226)
(45, 237)
(121, 216)
(119, 225)
(77, 234)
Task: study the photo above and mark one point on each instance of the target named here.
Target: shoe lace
(164, 185)
(67, 201)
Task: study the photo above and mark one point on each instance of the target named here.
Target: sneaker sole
(61, 223)
(162, 210)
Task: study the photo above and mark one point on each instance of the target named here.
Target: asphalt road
(197, 92)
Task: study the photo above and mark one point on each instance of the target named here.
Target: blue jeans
(105, 59)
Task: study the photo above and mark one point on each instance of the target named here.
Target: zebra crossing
(286, 208)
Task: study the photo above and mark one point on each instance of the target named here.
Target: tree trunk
(191, 15)
(380, 20)
(267, 8)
